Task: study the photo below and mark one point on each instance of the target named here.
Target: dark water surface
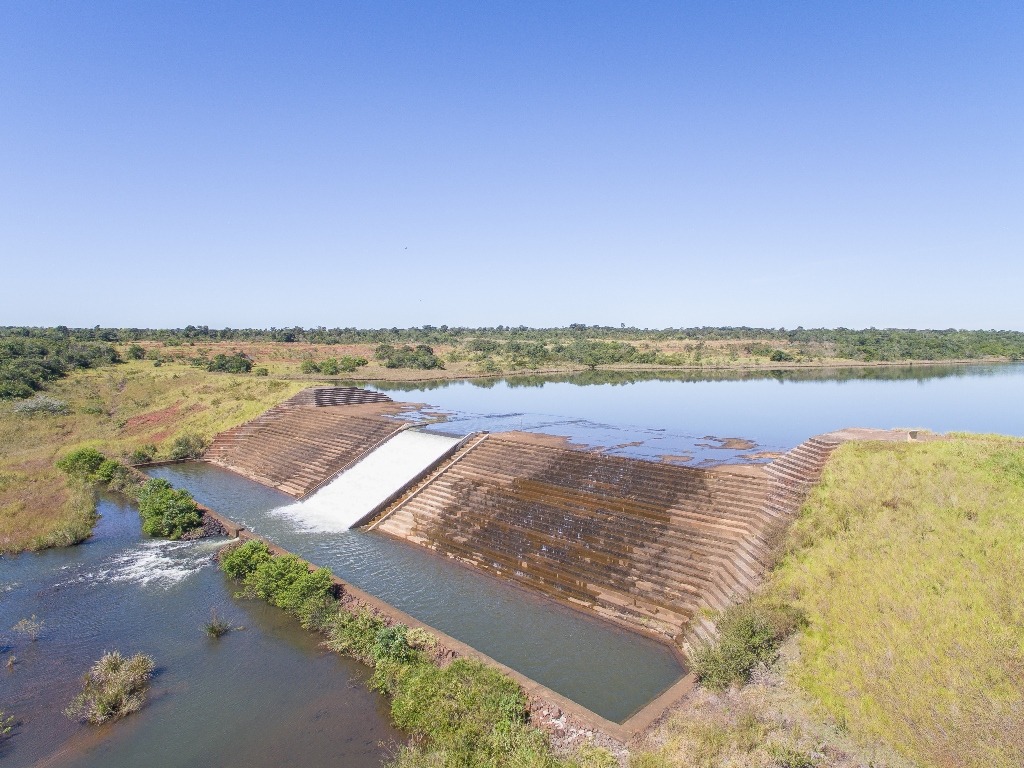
(263, 696)
(612, 671)
(649, 415)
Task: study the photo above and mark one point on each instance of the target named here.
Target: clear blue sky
(542, 163)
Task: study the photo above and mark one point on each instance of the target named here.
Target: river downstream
(265, 695)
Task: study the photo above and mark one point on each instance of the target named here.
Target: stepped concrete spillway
(305, 441)
(658, 547)
(362, 489)
(639, 542)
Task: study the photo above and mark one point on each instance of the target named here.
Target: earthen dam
(644, 544)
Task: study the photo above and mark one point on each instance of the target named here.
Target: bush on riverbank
(421, 357)
(115, 686)
(464, 714)
(285, 581)
(167, 511)
(748, 634)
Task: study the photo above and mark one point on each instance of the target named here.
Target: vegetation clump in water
(115, 686)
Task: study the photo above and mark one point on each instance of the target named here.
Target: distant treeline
(29, 357)
(869, 344)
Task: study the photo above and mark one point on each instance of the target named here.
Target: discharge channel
(612, 671)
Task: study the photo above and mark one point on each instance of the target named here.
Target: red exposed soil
(163, 417)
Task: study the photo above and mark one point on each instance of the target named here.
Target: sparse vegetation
(118, 409)
(31, 628)
(748, 634)
(42, 404)
(216, 627)
(114, 687)
(7, 723)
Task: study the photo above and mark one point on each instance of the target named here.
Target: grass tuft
(114, 687)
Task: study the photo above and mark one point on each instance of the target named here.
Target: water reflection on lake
(651, 414)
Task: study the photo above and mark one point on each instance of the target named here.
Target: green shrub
(273, 578)
(348, 363)
(317, 613)
(114, 687)
(187, 446)
(260, 372)
(143, 454)
(330, 366)
(421, 356)
(167, 511)
(355, 634)
(241, 560)
(105, 472)
(82, 463)
(748, 634)
(311, 585)
(126, 481)
(136, 352)
(236, 363)
(309, 366)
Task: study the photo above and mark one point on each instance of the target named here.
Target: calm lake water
(268, 696)
(654, 415)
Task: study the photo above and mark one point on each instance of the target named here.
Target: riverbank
(120, 410)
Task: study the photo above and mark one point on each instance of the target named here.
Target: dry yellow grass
(115, 409)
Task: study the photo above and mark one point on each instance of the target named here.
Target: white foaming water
(156, 562)
(356, 492)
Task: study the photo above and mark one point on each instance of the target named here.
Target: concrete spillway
(362, 488)
(302, 443)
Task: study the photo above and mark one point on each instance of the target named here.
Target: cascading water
(357, 492)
